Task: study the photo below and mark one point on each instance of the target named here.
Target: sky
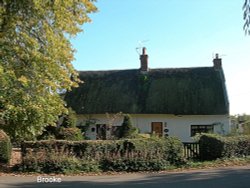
(176, 33)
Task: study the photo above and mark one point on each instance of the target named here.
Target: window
(201, 129)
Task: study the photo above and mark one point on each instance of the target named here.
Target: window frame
(198, 128)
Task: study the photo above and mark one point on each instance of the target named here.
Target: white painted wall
(179, 126)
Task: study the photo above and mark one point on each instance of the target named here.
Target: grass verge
(189, 165)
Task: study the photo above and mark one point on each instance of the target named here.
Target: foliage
(132, 165)
(241, 124)
(111, 122)
(245, 122)
(127, 129)
(5, 147)
(211, 147)
(49, 132)
(57, 162)
(65, 130)
(69, 120)
(144, 135)
(217, 163)
(69, 134)
(246, 16)
(106, 155)
(36, 57)
(68, 130)
(214, 146)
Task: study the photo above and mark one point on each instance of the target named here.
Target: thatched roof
(180, 91)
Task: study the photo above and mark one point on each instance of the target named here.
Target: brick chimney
(217, 62)
(144, 60)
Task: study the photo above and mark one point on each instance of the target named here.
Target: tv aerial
(140, 46)
(217, 55)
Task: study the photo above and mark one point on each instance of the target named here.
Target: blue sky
(177, 33)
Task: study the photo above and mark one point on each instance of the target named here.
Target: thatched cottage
(168, 101)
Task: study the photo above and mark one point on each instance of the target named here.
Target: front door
(157, 128)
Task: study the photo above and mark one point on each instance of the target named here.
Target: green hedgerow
(5, 147)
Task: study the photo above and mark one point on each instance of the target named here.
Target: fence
(191, 150)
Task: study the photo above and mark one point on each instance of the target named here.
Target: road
(229, 177)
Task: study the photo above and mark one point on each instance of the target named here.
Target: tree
(240, 124)
(65, 121)
(246, 16)
(35, 61)
(127, 129)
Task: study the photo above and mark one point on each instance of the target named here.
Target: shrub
(237, 146)
(48, 133)
(57, 162)
(66, 128)
(215, 146)
(174, 150)
(73, 134)
(5, 147)
(127, 129)
(211, 146)
(70, 119)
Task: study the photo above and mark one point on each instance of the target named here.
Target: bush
(66, 128)
(237, 146)
(73, 134)
(119, 155)
(5, 147)
(127, 129)
(70, 119)
(57, 162)
(214, 146)
(211, 146)
(49, 133)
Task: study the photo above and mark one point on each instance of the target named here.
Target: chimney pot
(217, 62)
(144, 60)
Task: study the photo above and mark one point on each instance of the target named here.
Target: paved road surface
(233, 177)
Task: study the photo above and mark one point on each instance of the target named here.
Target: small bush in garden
(174, 149)
(65, 130)
(48, 133)
(211, 146)
(69, 120)
(127, 129)
(215, 146)
(237, 146)
(73, 134)
(5, 147)
(68, 129)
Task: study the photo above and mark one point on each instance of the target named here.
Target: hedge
(214, 146)
(5, 147)
(104, 155)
